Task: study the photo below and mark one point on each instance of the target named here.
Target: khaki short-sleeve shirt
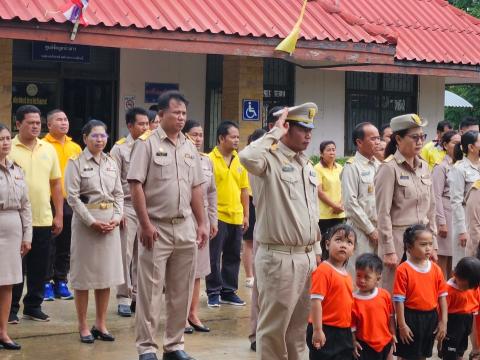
(168, 172)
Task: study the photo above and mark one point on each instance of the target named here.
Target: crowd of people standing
(155, 215)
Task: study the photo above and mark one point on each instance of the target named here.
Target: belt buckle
(103, 206)
(308, 248)
(176, 221)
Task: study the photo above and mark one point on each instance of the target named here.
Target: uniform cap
(407, 121)
(303, 114)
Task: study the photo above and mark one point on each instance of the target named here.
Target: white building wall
(431, 98)
(140, 66)
(327, 90)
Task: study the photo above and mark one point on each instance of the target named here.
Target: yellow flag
(290, 42)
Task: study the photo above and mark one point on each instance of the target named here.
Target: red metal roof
(424, 30)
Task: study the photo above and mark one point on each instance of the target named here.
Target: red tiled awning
(428, 31)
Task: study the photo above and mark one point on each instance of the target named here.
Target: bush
(315, 159)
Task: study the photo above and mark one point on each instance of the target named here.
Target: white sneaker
(249, 282)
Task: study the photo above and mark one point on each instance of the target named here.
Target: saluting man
(165, 179)
(359, 191)
(286, 230)
(137, 124)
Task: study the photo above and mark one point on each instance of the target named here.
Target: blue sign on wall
(47, 51)
(251, 110)
(154, 90)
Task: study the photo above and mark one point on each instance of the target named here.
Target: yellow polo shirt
(432, 154)
(40, 166)
(230, 180)
(64, 152)
(329, 180)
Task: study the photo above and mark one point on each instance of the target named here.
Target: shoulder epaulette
(74, 157)
(145, 135)
(390, 158)
(203, 154)
(121, 141)
(476, 185)
(350, 160)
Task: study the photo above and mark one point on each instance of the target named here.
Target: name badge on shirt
(287, 168)
(88, 169)
(111, 169)
(365, 173)
(161, 153)
(370, 188)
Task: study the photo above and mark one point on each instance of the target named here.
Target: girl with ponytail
(461, 177)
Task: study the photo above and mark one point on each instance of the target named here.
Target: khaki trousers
(363, 246)
(171, 263)
(254, 304)
(283, 281)
(388, 274)
(128, 236)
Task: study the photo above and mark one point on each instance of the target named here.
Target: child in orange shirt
(328, 333)
(373, 318)
(462, 303)
(419, 288)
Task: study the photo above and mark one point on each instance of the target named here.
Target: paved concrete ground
(59, 339)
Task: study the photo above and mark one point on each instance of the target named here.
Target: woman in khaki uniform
(403, 192)
(442, 201)
(94, 192)
(463, 174)
(194, 132)
(15, 231)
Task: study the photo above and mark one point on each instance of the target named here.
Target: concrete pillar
(6, 75)
(242, 79)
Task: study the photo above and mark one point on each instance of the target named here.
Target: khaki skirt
(11, 234)
(96, 259)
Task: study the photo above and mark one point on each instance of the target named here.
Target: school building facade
(358, 60)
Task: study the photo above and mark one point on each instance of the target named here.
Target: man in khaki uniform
(165, 179)
(286, 231)
(137, 124)
(358, 190)
(404, 193)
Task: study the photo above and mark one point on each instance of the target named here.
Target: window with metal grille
(278, 84)
(377, 98)
(213, 106)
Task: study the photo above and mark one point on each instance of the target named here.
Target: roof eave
(199, 43)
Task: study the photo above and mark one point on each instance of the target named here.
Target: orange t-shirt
(371, 316)
(461, 302)
(334, 288)
(419, 288)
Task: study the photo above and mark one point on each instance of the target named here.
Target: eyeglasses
(418, 138)
(99, 136)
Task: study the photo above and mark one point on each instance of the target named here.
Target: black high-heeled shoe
(87, 339)
(97, 334)
(199, 328)
(10, 345)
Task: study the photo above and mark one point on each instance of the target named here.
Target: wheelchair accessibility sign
(251, 110)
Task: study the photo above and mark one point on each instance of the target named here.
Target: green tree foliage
(471, 93)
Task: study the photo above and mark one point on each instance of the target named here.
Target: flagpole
(75, 29)
(290, 42)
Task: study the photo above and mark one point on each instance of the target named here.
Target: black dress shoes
(97, 334)
(177, 355)
(199, 328)
(188, 330)
(10, 345)
(87, 339)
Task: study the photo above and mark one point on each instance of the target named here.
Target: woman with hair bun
(463, 174)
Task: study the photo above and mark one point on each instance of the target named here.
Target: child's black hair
(468, 269)
(409, 237)
(347, 229)
(369, 261)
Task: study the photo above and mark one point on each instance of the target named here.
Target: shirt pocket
(425, 187)
(86, 179)
(291, 180)
(110, 179)
(405, 188)
(189, 168)
(164, 168)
